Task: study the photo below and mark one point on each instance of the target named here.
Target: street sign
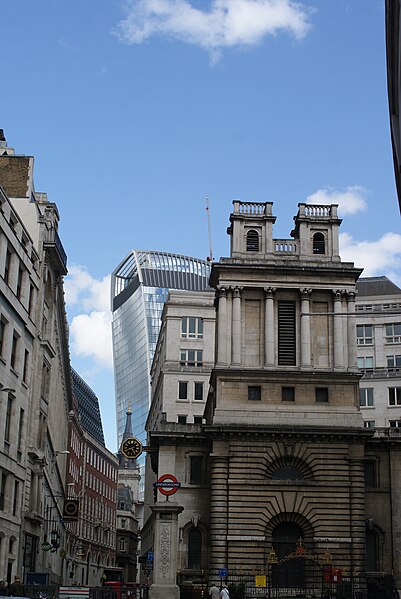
(167, 484)
(223, 573)
(71, 510)
(150, 556)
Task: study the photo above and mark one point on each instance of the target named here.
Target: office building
(88, 407)
(139, 288)
(378, 323)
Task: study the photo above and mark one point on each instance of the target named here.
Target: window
(394, 361)
(194, 549)
(7, 426)
(198, 420)
(287, 472)
(364, 334)
(182, 390)
(366, 397)
(7, 266)
(2, 335)
(370, 473)
(15, 498)
(45, 380)
(321, 395)
(3, 488)
(394, 396)
(286, 334)
(198, 391)
(288, 393)
(254, 393)
(395, 423)
(14, 351)
(393, 332)
(365, 362)
(19, 282)
(122, 545)
(182, 419)
(30, 299)
(25, 367)
(20, 427)
(191, 357)
(252, 241)
(191, 328)
(369, 424)
(318, 244)
(196, 470)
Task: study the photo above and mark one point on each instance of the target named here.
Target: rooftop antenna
(209, 229)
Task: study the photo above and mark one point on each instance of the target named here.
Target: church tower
(283, 414)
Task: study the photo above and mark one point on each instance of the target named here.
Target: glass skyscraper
(139, 288)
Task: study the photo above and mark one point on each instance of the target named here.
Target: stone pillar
(338, 332)
(218, 512)
(222, 329)
(165, 551)
(357, 509)
(351, 320)
(305, 329)
(269, 327)
(236, 329)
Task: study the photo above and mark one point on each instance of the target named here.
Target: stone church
(281, 477)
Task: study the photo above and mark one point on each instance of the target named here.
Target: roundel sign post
(167, 484)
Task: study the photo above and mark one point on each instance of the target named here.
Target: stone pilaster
(222, 328)
(269, 327)
(351, 321)
(236, 327)
(305, 329)
(338, 332)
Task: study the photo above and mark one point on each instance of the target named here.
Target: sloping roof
(376, 286)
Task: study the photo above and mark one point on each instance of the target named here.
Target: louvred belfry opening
(286, 333)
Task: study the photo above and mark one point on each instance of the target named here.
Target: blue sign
(223, 572)
(150, 556)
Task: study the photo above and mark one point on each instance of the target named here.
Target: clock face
(132, 448)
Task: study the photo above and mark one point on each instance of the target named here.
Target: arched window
(319, 244)
(194, 549)
(289, 468)
(287, 473)
(291, 572)
(252, 241)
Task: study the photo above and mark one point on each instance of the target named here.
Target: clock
(132, 448)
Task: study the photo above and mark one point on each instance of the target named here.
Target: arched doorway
(290, 573)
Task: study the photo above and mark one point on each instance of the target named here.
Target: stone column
(236, 329)
(222, 328)
(218, 512)
(351, 321)
(338, 332)
(165, 551)
(357, 509)
(305, 329)
(269, 327)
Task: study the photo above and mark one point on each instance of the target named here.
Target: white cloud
(380, 257)
(82, 289)
(91, 337)
(226, 24)
(350, 201)
(90, 328)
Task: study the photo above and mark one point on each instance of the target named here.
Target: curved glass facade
(139, 288)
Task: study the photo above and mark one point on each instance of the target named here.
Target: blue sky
(136, 111)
